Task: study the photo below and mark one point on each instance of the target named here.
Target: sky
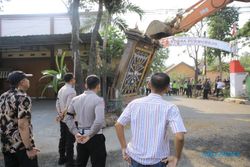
(155, 10)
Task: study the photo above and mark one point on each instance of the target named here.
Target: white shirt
(220, 85)
(88, 109)
(64, 97)
(149, 118)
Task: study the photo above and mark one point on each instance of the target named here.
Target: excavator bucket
(157, 30)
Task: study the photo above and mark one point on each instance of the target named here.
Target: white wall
(236, 84)
(62, 25)
(20, 27)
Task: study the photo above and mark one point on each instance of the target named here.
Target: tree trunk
(105, 60)
(196, 71)
(220, 64)
(196, 65)
(92, 53)
(75, 47)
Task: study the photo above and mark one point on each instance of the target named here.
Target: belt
(86, 131)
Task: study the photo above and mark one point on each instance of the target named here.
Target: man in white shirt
(220, 86)
(88, 109)
(149, 118)
(66, 143)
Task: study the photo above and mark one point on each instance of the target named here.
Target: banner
(189, 41)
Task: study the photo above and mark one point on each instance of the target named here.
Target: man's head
(18, 79)
(159, 83)
(69, 78)
(93, 83)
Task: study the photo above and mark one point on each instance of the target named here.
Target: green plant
(115, 43)
(55, 76)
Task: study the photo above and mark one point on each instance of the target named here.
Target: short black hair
(92, 81)
(67, 77)
(160, 81)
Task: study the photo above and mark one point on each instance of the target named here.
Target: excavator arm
(184, 21)
(140, 50)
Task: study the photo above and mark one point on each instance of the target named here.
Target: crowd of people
(82, 119)
(188, 88)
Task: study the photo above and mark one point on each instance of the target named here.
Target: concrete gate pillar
(237, 76)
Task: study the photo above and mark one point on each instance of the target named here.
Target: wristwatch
(29, 148)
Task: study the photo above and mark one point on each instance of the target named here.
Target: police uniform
(66, 143)
(88, 109)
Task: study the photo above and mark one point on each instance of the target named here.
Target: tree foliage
(219, 27)
(115, 44)
(122, 7)
(112, 16)
(244, 32)
(220, 23)
(245, 61)
(159, 59)
(193, 51)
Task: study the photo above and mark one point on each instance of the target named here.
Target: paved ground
(218, 134)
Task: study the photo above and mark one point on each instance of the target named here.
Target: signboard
(136, 70)
(189, 41)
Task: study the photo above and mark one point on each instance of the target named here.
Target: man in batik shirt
(15, 123)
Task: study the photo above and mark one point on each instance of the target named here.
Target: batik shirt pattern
(14, 105)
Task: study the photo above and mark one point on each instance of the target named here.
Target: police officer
(15, 122)
(66, 142)
(88, 109)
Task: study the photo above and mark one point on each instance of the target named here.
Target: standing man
(220, 85)
(206, 88)
(15, 122)
(66, 143)
(149, 118)
(89, 110)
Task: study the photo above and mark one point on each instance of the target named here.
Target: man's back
(65, 95)
(150, 117)
(87, 107)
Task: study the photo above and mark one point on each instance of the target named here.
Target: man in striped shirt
(149, 118)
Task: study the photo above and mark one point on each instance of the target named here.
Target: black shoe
(62, 160)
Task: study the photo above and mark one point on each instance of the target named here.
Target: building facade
(31, 42)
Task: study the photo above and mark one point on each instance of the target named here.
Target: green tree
(244, 33)
(193, 51)
(219, 26)
(245, 61)
(73, 11)
(115, 7)
(158, 61)
(216, 67)
(115, 43)
(93, 45)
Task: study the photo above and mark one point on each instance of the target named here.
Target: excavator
(184, 21)
(138, 55)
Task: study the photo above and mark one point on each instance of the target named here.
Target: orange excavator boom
(184, 21)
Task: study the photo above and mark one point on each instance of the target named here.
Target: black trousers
(205, 93)
(95, 149)
(66, 144)
(19, 159)
(218, 91)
